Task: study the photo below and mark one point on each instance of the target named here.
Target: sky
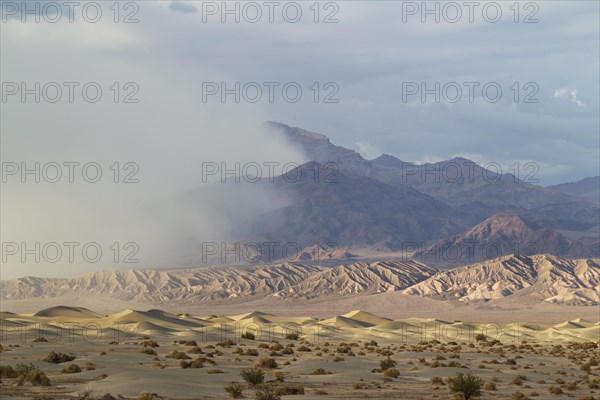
(168, 73)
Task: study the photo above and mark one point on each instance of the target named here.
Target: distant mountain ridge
(500, 235)
(460, 183)
(543, 278)
(587, 188)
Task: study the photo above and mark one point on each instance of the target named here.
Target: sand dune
(68, 312)
(357, 321)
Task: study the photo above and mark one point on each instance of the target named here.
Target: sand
(108, 350)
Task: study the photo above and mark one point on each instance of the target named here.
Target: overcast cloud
(367, 54)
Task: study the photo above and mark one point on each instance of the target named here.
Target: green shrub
(266, 394)
(253, 376)
(387, 363)
(466, 386)
(235, 390)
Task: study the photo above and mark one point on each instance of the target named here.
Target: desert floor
(131, 352)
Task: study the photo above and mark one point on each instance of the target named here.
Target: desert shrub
(278, 376)
(251, 352)
(359, 386)
(195, 350)
(489, 386)
(148, 350)
(147, 396)
(235, 390)
(26, 373)
(517, 381)
(253, 376)
(6, 371)
(321, 392)
(214, 371)
(150, 343)
(519, 396)
(304, 348)
(338, 359)
(480, 337)
(288, 390)
(571, 386)
(266, 363)
(466, 386)
(57, 358)
(391, 373)
(225, 343)
(178, 355)
(266, 394)
(292, 336)
(71, 369)
(555, 390)
(35, 377)
(191, 364)
(387, 363)
(248, 335)
(320, 371)
(436, 380)
(40, 340)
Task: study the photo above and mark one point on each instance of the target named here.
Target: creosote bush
(253, 376)
(235, 390)
(387, 363)
(71, 369)
(466, 386)
(57, 358)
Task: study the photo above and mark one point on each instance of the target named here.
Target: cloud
(570, 93)
(368, 150)
(178, 6)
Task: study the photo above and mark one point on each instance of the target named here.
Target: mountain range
(544, 278)
(387, 205)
